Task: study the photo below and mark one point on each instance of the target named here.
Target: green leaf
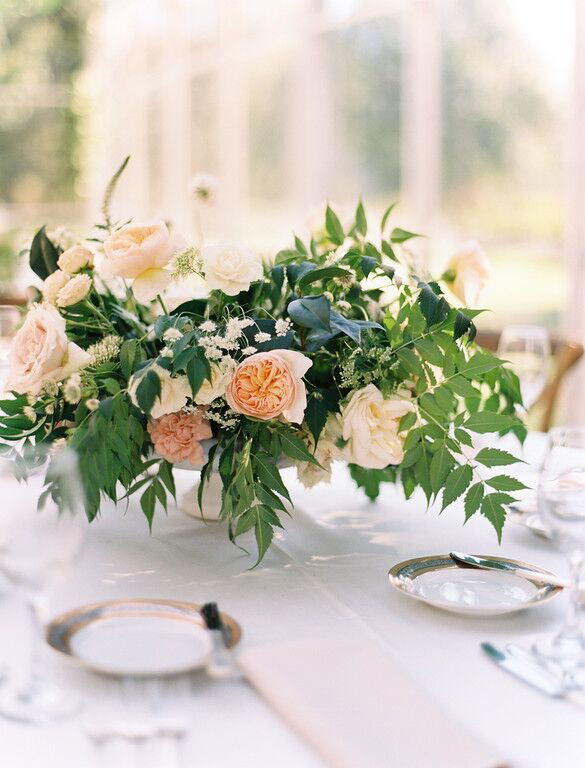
(441, 463)
(111, 386)
(315, 414)
(295, 448)
(457, 481)
(478, 364)
(327, 273)
(488, 421)
(505, 483)
(371, 479)
(368, 264)
(473, 500)
(388, 250)
(268, 473)
(387, 213)
(43, 255)
(197, 371)
(493, 507)
(399, 235)
(361, 223)
(433, 306)
(462, 325)
(464, 437)
(264, 533)
(148, 390)
(495, 457)
(128, 352)
(459, 385)
(110, 189)
(430, 352)
(407, 421)
(333, 227)
(147, 502)
(165, 472)
(311, 312)
(300, 246)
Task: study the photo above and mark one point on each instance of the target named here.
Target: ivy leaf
(495, 457)
(473, 500)
(333, 227)
(488, 421)
(505, 483)
(311, 312)
(43, 255)
(456, 484)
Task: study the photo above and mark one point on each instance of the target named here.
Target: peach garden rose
(268, 385)
(176, 436)
(141, 252)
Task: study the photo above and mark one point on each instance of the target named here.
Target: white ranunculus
(174, 392)
(75, 258)
(370, 426)
(469, 270)
(325, 453)
(229, 268)
(221, 374)
(41, 353)
(74, 291)
(53, 284)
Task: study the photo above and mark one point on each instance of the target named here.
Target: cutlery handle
(543, 578)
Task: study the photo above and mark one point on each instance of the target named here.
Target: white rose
(174, 392)
(53, 284)
(470, 270)
(370, 426)
(74, 290)
(325, 453)
(41, 353)
(221, 374)
(229, 268)
(75, 258)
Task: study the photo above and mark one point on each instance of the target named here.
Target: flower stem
(162, 304)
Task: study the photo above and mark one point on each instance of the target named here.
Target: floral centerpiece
(338, 348)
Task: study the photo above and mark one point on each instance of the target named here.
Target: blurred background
(471, 113)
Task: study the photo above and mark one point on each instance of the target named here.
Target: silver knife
(531, 673)
(474, 561)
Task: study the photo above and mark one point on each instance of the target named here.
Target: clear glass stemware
(37, 549)
(561, 503)
(527, 349)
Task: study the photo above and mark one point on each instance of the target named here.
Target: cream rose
(74, 290)
(269, 385)
(221, 374)
(140, 252)
(370, 426)
(41, 353)
(229, 268)
(75, 258)
(53, 284)
(468, 272)
(174, 392)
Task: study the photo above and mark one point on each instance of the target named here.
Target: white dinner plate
(437, 581)
(136, 637)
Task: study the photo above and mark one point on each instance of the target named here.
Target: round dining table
(325, 577)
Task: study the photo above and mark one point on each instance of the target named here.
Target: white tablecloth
(325, 576)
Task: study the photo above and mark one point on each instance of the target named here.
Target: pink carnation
(176, 436)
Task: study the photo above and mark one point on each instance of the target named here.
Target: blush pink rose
(41, 352)
(176, 436)
(268, 385)
(141, 252)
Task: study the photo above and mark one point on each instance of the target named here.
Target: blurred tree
(41, 51)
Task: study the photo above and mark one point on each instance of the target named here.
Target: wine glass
(9, 320)
(38, 545)
(561, 503)
(527, 349)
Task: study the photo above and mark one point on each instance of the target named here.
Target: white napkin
(359, 709)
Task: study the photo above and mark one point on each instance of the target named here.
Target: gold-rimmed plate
(438, 581)
(137, 636)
